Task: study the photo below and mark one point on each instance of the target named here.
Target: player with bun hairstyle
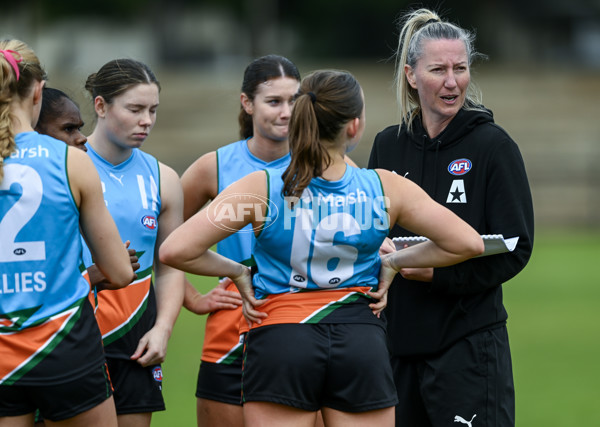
(145, 199)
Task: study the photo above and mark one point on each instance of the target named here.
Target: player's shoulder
(204, 167)
(167, 171)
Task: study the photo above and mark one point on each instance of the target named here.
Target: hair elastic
(313, 97)
(8, 54)
(431, 21)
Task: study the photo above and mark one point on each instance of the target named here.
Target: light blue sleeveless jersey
(329, 239)
(132, 196)
(40, 246)
(234, 161)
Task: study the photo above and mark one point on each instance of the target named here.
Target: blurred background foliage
(530, 30)
(541, 76)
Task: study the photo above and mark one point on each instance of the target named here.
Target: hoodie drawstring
(435, 166)
(437, 143)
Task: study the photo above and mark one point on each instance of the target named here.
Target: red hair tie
(9, 55)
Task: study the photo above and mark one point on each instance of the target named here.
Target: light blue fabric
(40, 246)
(132, 196)
(235, 161)
(330, 238)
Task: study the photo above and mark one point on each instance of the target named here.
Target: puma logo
(459, 419)
(112, 175)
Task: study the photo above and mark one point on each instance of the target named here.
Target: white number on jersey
(19, 215)
(329, 263)
(153, 192)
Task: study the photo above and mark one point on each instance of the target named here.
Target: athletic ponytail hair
(19, 69)
(259, 71)
(417, 27)
(327, 100)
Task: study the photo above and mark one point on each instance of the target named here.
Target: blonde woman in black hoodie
(447, 326)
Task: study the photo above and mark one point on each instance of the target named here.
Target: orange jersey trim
(20, 351)
(117, 308)
(222, 333)
(306, 306)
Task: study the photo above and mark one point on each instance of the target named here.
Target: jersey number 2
(19, 214)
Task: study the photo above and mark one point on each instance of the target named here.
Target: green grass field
(554, 324)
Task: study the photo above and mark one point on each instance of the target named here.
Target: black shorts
(309, 366)
(220, 382)
(137, 389)
(57, 402)
(472, 380)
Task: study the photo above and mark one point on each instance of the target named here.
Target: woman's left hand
(386, 275)
(249, 303)
(377, 307)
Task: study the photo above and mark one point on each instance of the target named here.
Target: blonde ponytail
(417, 27)
(17, 75)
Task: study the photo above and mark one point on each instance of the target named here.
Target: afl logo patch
(459, 167)
(149, 222)
(157, 374)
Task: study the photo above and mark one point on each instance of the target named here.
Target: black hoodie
(476, 170)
